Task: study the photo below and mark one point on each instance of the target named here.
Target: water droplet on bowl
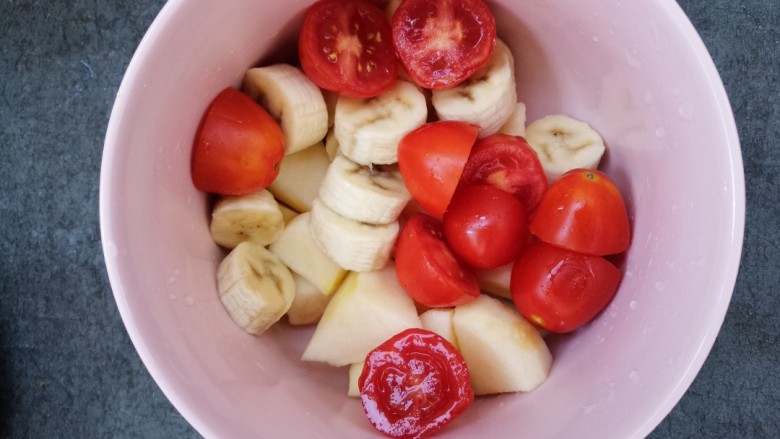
(660, 286)
(660, 132)
(686, 111)
(189, 300)
(633, 305)
(634, 377)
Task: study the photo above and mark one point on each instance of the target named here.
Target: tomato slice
(238, 147)
(485, 226)
(508, 163)
(345, 46)
(441, 43)
(426, 267)
(431, 159)
(414, 384)
(583, 211)
(561, 290)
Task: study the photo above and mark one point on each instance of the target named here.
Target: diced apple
(287, 213)
(297, 248)
(308, 304)
(366, 310)
(300, 175)
(496, 281)
(504, 352)
(355, 369)
(439, 320)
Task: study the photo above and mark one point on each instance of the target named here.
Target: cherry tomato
(443, 42)
(561, 290)
(431, 160)
(583, 211)
(345, 46)
(485, 226)
(238, 148)
(508, 163)
(426, 267)
(414, 384)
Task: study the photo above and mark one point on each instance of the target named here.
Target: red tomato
(583, 211)
(561, 290)
(508, 163)
(485, 226)
(443, 42)
(431, 160)
(414, 384)
(238, 148)
(345, 46)
(426, 267)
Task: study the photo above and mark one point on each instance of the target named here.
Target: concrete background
(67, 367)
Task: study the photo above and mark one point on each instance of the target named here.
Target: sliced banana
(486, 99)
(292, 98)
(255, 287)
(255, 217)
(368, 194)
(515, 125)
(353, 245)
(563, 143)
(331, 145)
(368, 130)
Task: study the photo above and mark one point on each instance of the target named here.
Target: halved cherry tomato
(238, 148)
(431, 160)
(345, 46)
(443, 42)
(508, 163)
(561, 290)
(485, 226)
(583, 211)
(414, 384)
(426, 267)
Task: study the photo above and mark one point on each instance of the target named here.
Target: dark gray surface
(67, 367)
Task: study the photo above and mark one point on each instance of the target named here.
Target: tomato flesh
(508, 163)
(583, 211)
(431, 159)
(485, 226)
(345, 46)
(414, 384)
(238, 148)
(561, 290)
(441, 43)
(426, 267)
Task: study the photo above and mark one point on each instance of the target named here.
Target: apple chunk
(308, 304)
(300, 175)
(366, 310)
(439, 320)
(503, 351)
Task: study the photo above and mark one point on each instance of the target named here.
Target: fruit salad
(388, 191)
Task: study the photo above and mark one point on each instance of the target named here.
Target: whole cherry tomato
(508, 163)
(345, 46)
(414, 384)
(431, 160)
(485, 226)
(443, 42)
(238, 148)
(583, 211)
(561, 290)
(426, 267)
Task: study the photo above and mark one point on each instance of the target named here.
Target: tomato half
(238, 148)
(426, 267)
(431, 159)
(485, 226)
(508, 163)
(441, 43)
(414, 384)
(345, 46)
(583, 211)
(561, 290)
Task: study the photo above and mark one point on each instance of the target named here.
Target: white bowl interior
(637, 71)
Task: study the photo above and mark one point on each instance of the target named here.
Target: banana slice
(515, 125)
(369, 194)
(368, 130)
(563, 143)
(255, 287)
(331, 145)
(293, 99)
(486, 99)
(353, 245)
(255, 217)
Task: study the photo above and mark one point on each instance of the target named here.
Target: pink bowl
(637, 71)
